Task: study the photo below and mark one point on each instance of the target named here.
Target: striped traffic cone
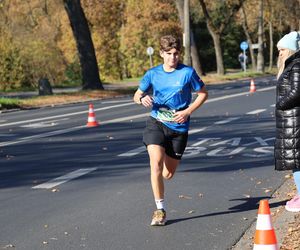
(265, 238)
(252, 86)
(92, 117)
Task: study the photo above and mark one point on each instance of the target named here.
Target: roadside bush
(42, 60)
(23, 63)
(12, 75)
(73, 73)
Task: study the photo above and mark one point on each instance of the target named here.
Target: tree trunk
(271, 34)
(195, 56)
(219, 56)
(85, 46)
(260, 55)
(187, 35)
(194, 50)
(271, 46)
(249, 40)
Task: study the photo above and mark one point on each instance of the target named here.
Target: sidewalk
(286, 224)
(28, 94)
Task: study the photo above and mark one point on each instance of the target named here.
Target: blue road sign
(244, 45)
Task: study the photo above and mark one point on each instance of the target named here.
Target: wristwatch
(141, 99)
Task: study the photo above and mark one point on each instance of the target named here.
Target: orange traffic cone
(252, 86)
(265, 238)
(92, 118)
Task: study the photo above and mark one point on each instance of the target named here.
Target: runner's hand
(181, 116)
(147, 101)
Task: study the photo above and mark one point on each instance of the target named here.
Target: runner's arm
(141, 98)
(182, 116)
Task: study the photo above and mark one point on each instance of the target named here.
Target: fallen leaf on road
(9, 246)
(185, 197)
(268, 190)
(191, 211)
(247, 195)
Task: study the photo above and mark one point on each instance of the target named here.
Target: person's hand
(147, 101)
(181, 116)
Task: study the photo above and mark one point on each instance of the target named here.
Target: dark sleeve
(291, 99)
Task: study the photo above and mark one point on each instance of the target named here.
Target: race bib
(165, 115)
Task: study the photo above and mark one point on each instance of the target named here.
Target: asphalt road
(66, 186)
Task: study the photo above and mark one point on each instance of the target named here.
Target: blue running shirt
(171, 90)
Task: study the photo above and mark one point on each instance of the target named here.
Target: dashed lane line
(64, 115)
(227, 120)
(257, 111)
(65, 178)
(64, 131)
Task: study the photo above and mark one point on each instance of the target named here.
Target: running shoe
(292, 200)
(159, 218)
(293, 205)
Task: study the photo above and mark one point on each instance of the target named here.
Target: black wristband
(141, 99)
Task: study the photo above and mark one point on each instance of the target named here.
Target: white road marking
(133, 152)
(127, 118)
(235, 95)
(29, 138)
(196, 130)
(7, 135)
(265, 89)
(43, 124)
(141, 149)
(64, 131)
(64, 115)
(257, 111)
(62, 179)
(122, 105)
(116, 101)
(227, 120)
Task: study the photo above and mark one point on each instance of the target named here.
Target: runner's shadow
(249, 204)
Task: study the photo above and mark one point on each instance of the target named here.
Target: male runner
(166, 132)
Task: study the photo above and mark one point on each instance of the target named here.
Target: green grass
(9, 103)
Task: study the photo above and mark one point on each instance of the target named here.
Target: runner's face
(171, 58)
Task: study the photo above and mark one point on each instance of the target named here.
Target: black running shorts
(158, 134)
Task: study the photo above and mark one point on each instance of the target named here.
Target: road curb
(280, 217)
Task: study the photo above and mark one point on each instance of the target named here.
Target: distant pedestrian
(166, 132)
(287, 142)
(243, 60)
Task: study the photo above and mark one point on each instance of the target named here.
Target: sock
(160, 204)
(296, 175)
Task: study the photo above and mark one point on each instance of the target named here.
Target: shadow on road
(249, 204)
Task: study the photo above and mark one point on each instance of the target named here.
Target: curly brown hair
(169, 42)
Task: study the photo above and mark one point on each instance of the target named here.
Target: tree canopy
(37, 39)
